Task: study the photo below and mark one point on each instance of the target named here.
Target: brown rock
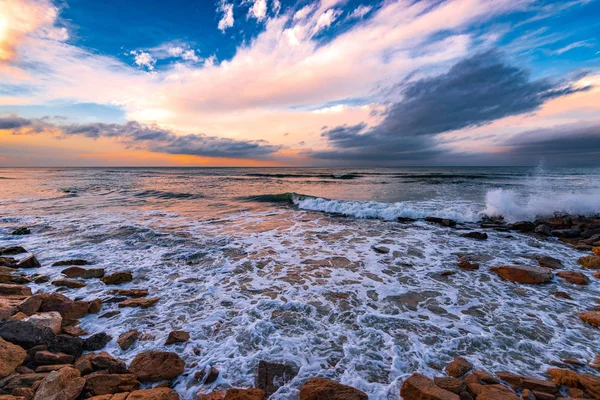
(117, 278)
(596, 274)
(595, 363)
(74, 330)
(154, 394)
(596, 251)
(539, 385)
(128, 338)
(105, 361)
(52, 320)
(563, 295)
(68, 309)
(467, 265)
(25, 393)
(14, 290)
(95, 306)
(509, 377)
(576, 278)
(419, 387)
(64, 384)
(524, 274)
(496, 392)
(564, 377)
(155, 366)
(129, 292)
(271, 376)
(450, 384)
(21, 380)
(485, 377)
(11, 356)
(84, 273)
(247, 394)
(84, 364)
(550, 262)
(590, 262)
(31, 305)
(66, 263)
(29, 262)
(458, 367)
(141, 303)
(577, 393)
(99, 384)
(591, 317)
(49, 358)
(50, 368)
(69, 283)
(177, 337)
(219, 395)
(591, 383)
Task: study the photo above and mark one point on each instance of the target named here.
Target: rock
(25, 393)
(576, 278)
(95, 306)
(70, 283)
(110, 314)
(207, 375)
(98, 384)
(450, 384)
(129, 292)
(9, 251)
(246, 394)
(218, 395)
(117, 278)
(590, 262)
(565, 377)
(271, 376)
(68, 309)
(20, 380)
(475, 235)
(563, 295)
(524, 274)
(543, 230)
(29, 262)
(49, 358)
(591, 383)
(11, 356)
(539, 385)
(64, 384)
(441, 221)
(458, 367)
(84, 273)
(105, 361)
(591, 317)
(31, 305)
(496, 392)
(21, 231)
(67, 263)
(177, 337)
(419, 387)
(96, 342)
(51, 367)
(595, 363)
(381, 249)
(523, 226)
(155, 366)
(566, 233)
(596, 251)
(485, 377)
(84, 364)
(14, 290)
(27, 335)
(550, 262)
(141, 303)
(467, 265)
(127, 339)
(154, 394)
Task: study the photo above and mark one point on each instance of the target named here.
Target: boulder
(524, 274)
(475, 235)
(14, 381)
(67, 263)
(591, 317)
(31, 305)
(117, 278)
(271, 376)
(21, 231)
(539, 385)
(11, 356)
(141, 303)
(154, 394)
(105, 361)
(543, 230)
(596, 251)
(496, 392)
(127, 339)
(246, 394)
(590, 262)
(218, 395)
(68, 309)
(550, 262)
(29, 262)
(591, 383)
(458, 367)
(441, 221)
(51, 367)
(419, 387)
(576, 278)
(324, 389)
(96, 342)
(177, 337)
(155, 366)
(565, 377)
(523, 226)
(64, 384)
(14, 290)
(95, 306)
(69, 283)
(28, 335)
(52, 320)
(98, 384)
(84, 273)
(129, 292)
(49, 358)
(450, 384)
(12, 250)
(563, 295)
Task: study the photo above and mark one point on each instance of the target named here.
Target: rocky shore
(45, 354)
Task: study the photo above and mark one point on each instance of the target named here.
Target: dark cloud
(474, 92)
(212, 146)
(13, 122)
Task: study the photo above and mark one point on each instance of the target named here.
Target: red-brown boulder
(524, 274)
(419, 387)
(324, 389)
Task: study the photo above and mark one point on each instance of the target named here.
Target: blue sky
(311, 82)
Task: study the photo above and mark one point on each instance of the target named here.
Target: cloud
(149, 137)
(226, 20)
(258, 10)
(575, 45)
(360, 12)
(474, 92)
(143, 59)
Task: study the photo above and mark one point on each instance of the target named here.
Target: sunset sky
(299, 83)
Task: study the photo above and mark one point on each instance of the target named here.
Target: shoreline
(45, 327)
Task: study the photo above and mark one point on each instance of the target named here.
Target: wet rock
(271, 376)
(550, 262)
(127, 339)
(64, 384)
(208, 375)
(590, 262)
(381, 249)
(450, 384)
(539, 385)
(591, 383)
(485, 377)
(566, 233)
(70, 283)
(49, 358)
(9, 251)
(244, 394)
(447, 273)
(576, 278)
(496, 392)
(591, 317)
(21, 231)
(84, 273)
(595, 363)
(154, 394)
(564, 377)
(475, 235)
(523, 226)
(596, 251)
(97, 341)
(177, 337)
(418, 387)
(524, 274)
(110, 314)
(11, 356)
(29, 262)
(98, 384)
(117, 278)
(543, 230)
(563, 295)
(135, 293)
(467, 265)
(7, 289)
(95, 306)
(155, 366)
(52, 320)
(141, 303)
(458, 367)
(66, 263)
(441, 221)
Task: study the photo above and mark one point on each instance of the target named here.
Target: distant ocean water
(278, 264)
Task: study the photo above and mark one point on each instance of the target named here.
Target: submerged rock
(21, 231)
(324, 389)
(177, 337)
(117, 278)
(550, 262)
(141, 303)
(475, 235)
(441, 221)
(591, 317)
(135, 293)
(85, 273)
(67, 263)
(576, 278)
(524, 274)
(271, 376)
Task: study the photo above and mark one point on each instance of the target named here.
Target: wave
(166, 195)
(289, 197)
(351, 175)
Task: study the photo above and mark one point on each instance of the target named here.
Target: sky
(299, 83)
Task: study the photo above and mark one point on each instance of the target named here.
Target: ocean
(312, 266)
